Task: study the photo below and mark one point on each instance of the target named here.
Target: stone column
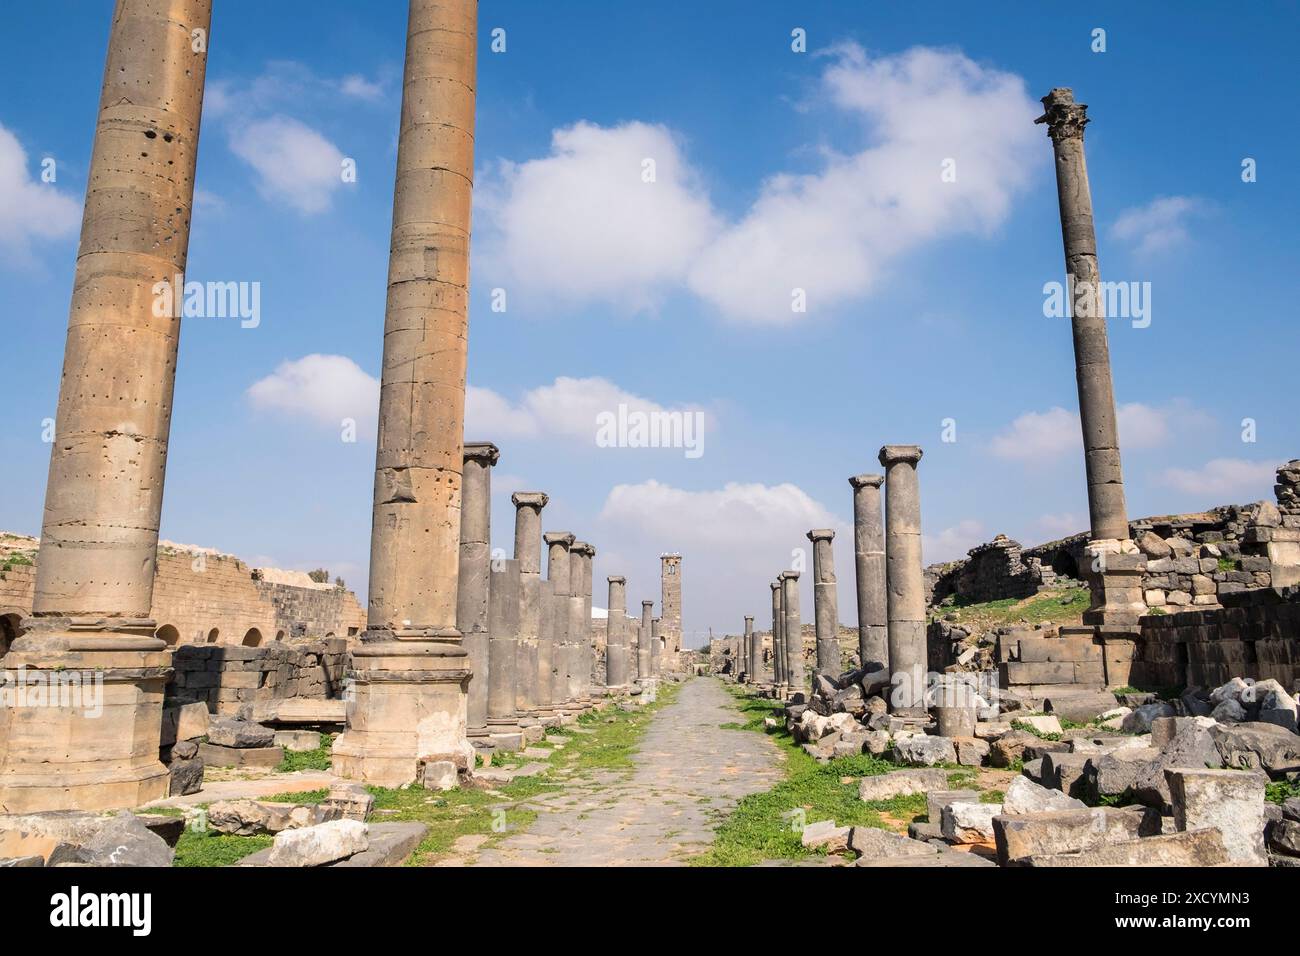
(905, 583)
(99, 536)
(747, 652)
(575, 693)
(585, 645)
(869, 563)
(545, 654)
(472, 583)
(826, 608)
(754, 665)
(644, 661)
(503, 634)
(551, 659)
(528, 552)
(792, 631)
(616, 634)
(656, 653)
(778, 642)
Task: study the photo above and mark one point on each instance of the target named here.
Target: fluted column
(410, 673)
(528, 552)
(792, 631)
(905, 580)
(472, 582)
(103, 498)
(558, 568)
(616, 671)
(826, 614)
(644, 661)
(869, 566)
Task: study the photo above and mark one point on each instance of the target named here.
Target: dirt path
(689, 773)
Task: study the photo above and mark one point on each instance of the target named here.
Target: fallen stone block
(1020, 836)
(936, 800)
(1010, 747)
(184, 722)
(184, 777)
(1193, 848)
(924, 751)
(971, 751)
(1025, 796)
(1139, 721)
(16, 862)
(969, 822)
(1230, 801)
(876, 844)
(299, 741)
(252, 817)
(346, 801)
(824, 834)
(944, 859)
(1258, 746)
(1064, 772)
(1033, 769)
(1116, 773)
(320, 844)
(234, 733)
(1080, 707)
(217, 756)
(307, 711)
(1043, 724)
(81, 837)
(901, 783)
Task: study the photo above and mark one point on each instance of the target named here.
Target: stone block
(971, 751)
(1229, 801)
(1021, 836)
(439, 775)
(320, 844)
(216, 756)
(969, 822)
(1025, 796)
(229, 732)
(872, 843)
(901, 783)
(299, 741)
(824, 834)
(924, 751)
(1194, 848)
(936, 800)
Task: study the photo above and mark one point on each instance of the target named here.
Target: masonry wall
(225, 677)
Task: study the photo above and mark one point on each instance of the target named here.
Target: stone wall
(225, 677)
(991, 572)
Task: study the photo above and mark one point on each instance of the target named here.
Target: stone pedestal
(826, 614)
(905, 581)
(472, 580)
(528, 552)
(792, 632)
(869, 564)
(644, 659)
(90, 640)
(616, 670)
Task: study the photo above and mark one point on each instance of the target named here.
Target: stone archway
(168, 633)
(213, 635)
(253, 638)
(10, 630)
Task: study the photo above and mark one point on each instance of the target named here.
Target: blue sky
(774, 169)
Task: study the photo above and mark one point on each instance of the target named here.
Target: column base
(81, 716)
(406, 707)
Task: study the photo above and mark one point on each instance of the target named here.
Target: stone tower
(670, 576)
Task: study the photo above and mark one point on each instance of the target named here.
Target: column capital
(788, 576)
(583, 548)
(891, 454)
(616, 579)
(821, 534)
(482, 451)
(867, 481)
(647, 604)
(1065, 118)
(530, 499)
(775, 585)
(559, 537)
(749, 618)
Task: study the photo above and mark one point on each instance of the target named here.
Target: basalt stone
(230, 732)
(1258, 746)
(184, 777)
(1020, 837)
(1025, 796)
(872, 843)
(924, 751)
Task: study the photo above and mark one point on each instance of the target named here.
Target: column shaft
(644, 668)
(826, 614)
(792, 631)
(472, 581)
(905, 582)
(528, 552)
(616, 674)
(778, 642)
(558, 574)
(503, 634)
(869, 564)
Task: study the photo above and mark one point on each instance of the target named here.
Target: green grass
(1227, 564)
(992, 796)
(1281, 791)
(1031, 729)
(1062, 605)
(216, 849)
(318, 759)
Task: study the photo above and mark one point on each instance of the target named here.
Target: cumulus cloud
(1224, 479)
(324, 389)
(953, 543)
(581, 224)
(1043, 437)
(294, 163)
(30, 210)
(1158, 226)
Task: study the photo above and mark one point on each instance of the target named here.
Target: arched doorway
(168, 633)
(213, 635)
(10, 630)
(253, 638)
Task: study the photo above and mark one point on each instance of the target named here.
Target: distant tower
(670, 574)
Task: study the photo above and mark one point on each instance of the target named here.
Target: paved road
(688, 775)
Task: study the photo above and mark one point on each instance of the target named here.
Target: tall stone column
(656, 651)
(503, 634)
(792, 631)
(826, 608)
(410, 673)
(905, 583)
(616, 676)
(545, 654)
(869, 564)
(778, 641)
(644, 660)
(528, 552)
(90, 638)
(585, 645)
(558, 574)
(472, 583)
(754, 665)
(1117, 583)
(575, 692)
(746, 652)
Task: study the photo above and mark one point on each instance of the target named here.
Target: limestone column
(410, 673)
(747, 653)
(778, 642)
(644, 661)
(99, 537)
(826, 608)
(754, 665)
(869, 565)
(503, 632)
(528, 552)
(472, 583)
(584, 645)
(1117, 588)
(904, 580)
(575, 687)
(792, 631)
(551, 665)
(616, 634)
(545, 652)
(656, 652)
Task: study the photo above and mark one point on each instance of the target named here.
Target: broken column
(472, 583)
(90, 618)
(644, 666)
(503, 634)
(826, 614)
(792, 632)
(1117, 569)
(616, 634)
(778, 643)
(551, 657)
(410, 672)
(746, 646)
(869, 563)
(528, 552)
(904, 580)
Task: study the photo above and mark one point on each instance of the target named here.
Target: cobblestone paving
(689, 773)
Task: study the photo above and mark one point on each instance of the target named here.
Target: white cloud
(1158, 226)
(1062, 525)
(952, 543)
(581, 225)
(294, 163)
(1224, 478)
(325, 389)
(358, 87)
(30, 210)
(1042, 437)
